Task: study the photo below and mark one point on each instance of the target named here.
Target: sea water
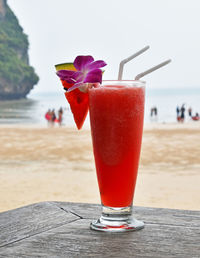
(32, 109)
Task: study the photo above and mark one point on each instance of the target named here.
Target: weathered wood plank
(30, 220)
(148, 215)
(54, 229)
(76, 240)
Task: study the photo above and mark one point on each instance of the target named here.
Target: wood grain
(62, 230)
(31, 220)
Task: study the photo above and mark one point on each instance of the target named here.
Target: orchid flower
(87, 71)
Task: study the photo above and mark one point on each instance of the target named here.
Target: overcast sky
(59, 30)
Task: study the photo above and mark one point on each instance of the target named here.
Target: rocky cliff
(17, 77)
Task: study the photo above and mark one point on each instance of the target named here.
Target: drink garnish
(86, 71)
(76, 78)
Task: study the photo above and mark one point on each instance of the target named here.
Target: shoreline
(147, 126)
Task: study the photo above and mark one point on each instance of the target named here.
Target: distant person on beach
(48, 117)
(177, 111)
(53, 117)
(154, 111)
(196, 117)
(182, 115)
(153, 114)
(178, 114)
(60, 115)
(190, 112)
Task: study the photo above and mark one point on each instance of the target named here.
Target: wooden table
(55, 229)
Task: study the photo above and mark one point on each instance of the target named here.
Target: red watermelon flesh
(78, 102)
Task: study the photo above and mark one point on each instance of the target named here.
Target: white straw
(123, 62)
(140, 75)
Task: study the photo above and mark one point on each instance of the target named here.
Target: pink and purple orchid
(87, 71)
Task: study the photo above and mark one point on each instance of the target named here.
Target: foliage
(14, 67)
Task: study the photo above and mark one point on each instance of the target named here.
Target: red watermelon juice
(116, 117)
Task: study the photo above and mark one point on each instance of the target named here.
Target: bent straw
(140, 75)
(123, 62)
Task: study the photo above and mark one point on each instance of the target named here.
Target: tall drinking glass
(116, 117)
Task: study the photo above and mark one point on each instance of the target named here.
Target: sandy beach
(56, 164)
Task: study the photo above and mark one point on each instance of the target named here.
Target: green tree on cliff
(17, 78)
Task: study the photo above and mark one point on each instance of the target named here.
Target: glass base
(117, 220)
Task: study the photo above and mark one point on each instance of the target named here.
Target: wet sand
(56, 164)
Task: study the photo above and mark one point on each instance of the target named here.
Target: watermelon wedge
(78, 101)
